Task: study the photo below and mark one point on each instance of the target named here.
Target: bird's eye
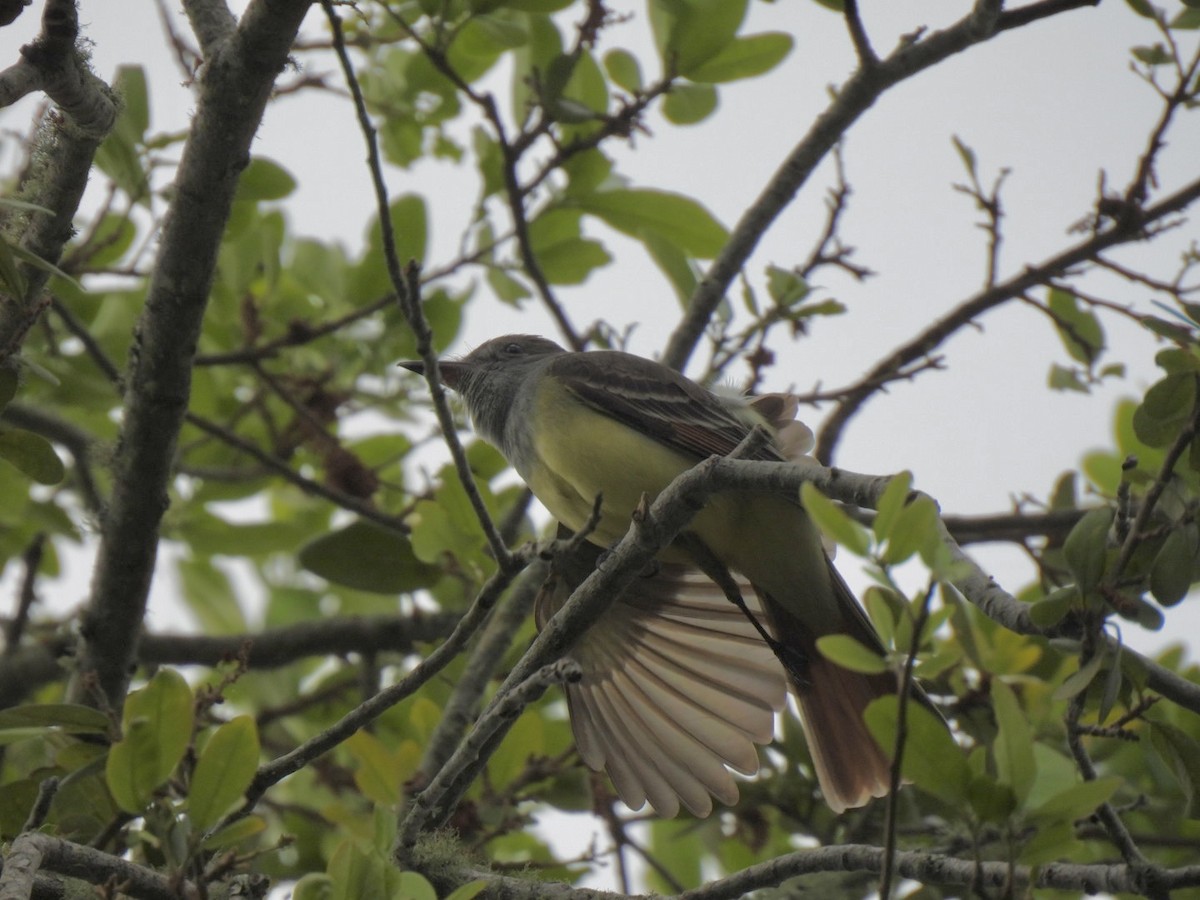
(513, 348)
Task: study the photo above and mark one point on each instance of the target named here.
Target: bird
(578, 425)
(676, 687)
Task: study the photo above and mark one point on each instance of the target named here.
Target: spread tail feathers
(850, 766)
(677, 689)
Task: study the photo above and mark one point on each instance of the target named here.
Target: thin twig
(368, 711)
(406, 282)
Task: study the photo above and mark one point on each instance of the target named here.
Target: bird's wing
(656, 400)
(677, 686)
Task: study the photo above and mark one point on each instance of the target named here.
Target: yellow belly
(768, 538)
(583, 454)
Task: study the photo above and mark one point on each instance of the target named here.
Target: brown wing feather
(657, 401)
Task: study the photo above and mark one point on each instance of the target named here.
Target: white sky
(1055, 102)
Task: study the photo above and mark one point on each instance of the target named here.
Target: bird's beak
(450, 372)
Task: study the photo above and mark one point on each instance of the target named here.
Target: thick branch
(927, 868)
(33, 852)
(234, 89)
(23, 669)
(281, 646)
(64, 153)
(52, 65)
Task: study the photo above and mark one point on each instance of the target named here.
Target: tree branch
(234, 89)
(927, 868)
(63, 156)
(1119, 232)
(487, 654)
(281, 646)
(371, 709)
(854, 97)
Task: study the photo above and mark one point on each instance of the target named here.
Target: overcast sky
(1055, 102)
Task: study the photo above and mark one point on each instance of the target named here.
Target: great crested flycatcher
(676, 685)
(605, 423)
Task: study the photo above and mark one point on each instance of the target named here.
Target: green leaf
(1112, 687)
(414, 886)
(1166, 409)
(1076, 801)
(1080, 679)
(587, 90)
(210, 596)
(679, 219)
(557, 74)
(966, 154)
(118, 157)
(33, 455)
(1181, 753)
(1062, 378)
(375, 773)
(235, 833)
(850, 654)
(1013, 748)
(224, 770)
(1187, 20)
(1174, 565)
(881, 607)
(1143, 8)
(130, 83)
(506, 288)
(680, 270)
(1051, 842)
(410, 224)
(586, 172)
(564, 256)
(786, 287)
(157, 727)
(1078, 326)
(526, 739)
(744, 57)
(915, 531)
(32, 259)
(313, 886)
(1156, 55)
(68, 716)
(623, 68)
(367, 557)
(688, 103)
(480, 43)
(932, 760)
(691, 32)
(833, 522)
(571, 262)
(468, 891)
(264, 179)
(358, 873)
(1086, 547)
(990, 800)
(1064, 494)
(1051, 609)
(891, 502)
(112, 236)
